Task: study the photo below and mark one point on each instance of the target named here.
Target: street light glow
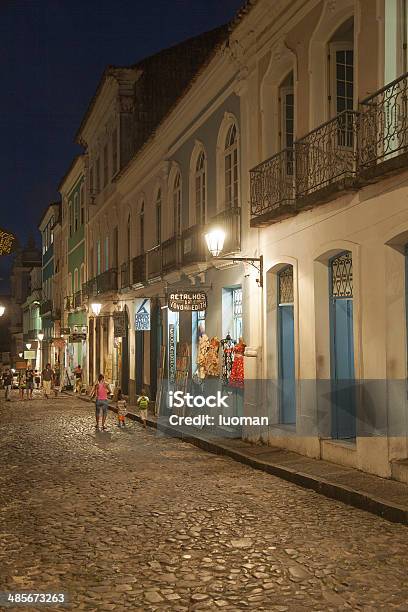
(40, 336)
(215, 241)
(2, 309)
(28, 345)
(96, 308)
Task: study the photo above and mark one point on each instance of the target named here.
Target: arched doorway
(343, 412)
(125, 356)
(286, 346)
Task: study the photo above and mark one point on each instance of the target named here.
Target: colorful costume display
(227, 358)
(203, 346)
(237, 373)
(212, 365)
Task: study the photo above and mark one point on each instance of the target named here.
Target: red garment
(237, 373)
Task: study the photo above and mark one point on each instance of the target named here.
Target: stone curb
(352, 497)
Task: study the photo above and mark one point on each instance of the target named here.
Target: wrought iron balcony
(69, 303)
(45, 308)
(171, 254)
(139, 270)
(383, 129)
(125, 274)
(153, 257)
(107, 281)
(77, 299)
(273, 189)
(193, 248)
(89, 289)
(326, 160)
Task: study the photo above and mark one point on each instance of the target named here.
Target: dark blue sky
(53, 53)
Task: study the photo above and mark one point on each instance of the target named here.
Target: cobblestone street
(129, 520)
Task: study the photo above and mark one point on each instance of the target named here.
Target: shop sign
(21, 365)
(187, 301)
(172, 353)
(119, 324)
(29, 354)
(77, 338)
(79, 329)
(142, 316)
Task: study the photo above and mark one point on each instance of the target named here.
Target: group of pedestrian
(28, 380)
(101, 392)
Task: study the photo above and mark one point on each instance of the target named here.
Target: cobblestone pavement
(129, 520)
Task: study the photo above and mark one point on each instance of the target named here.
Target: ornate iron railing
(171, 254)
(383, 130)
(272, 184)
(45, 307)
(107, 281)
(153, 262)
(125, 274)
(193, 249)
(78, 299)
(327, 155)
(139, 269)
(69, 303)
(89, 288)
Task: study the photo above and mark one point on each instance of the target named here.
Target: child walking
(143, 403)
(122, 409)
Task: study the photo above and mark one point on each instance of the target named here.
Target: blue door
(286, 347)
(343, 400)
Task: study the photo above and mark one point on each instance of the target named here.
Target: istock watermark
(178, 399)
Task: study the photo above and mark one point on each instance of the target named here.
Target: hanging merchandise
(237, 373)
(212, 365)
(227, 358)
(203, 347)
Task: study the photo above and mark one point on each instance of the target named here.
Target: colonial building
(49, 312)
(73, 244)
(25, 260)
(288, 131)
(32, 324)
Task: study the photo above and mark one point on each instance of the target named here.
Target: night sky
(53, 53)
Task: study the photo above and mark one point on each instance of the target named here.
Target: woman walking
(100, 392)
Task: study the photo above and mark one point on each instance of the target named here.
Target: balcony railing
(139, 270)
(171, 254)
(326, 157)
(153, 257)
(69, 303)
(45, 308)
(77, 299)
(107, 281)
(383, 130)
(125, 274)
(273, 188)
(193, 248)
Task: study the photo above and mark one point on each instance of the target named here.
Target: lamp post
(215, 239)
(40, 337)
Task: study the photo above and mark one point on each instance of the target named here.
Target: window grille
(237, 312)
(342, 276)
(285, 285)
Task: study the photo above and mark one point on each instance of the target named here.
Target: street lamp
(20, 355)
(215, 242)
(96, 308)
(28, 345)
(40, 337)
(2, 309)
